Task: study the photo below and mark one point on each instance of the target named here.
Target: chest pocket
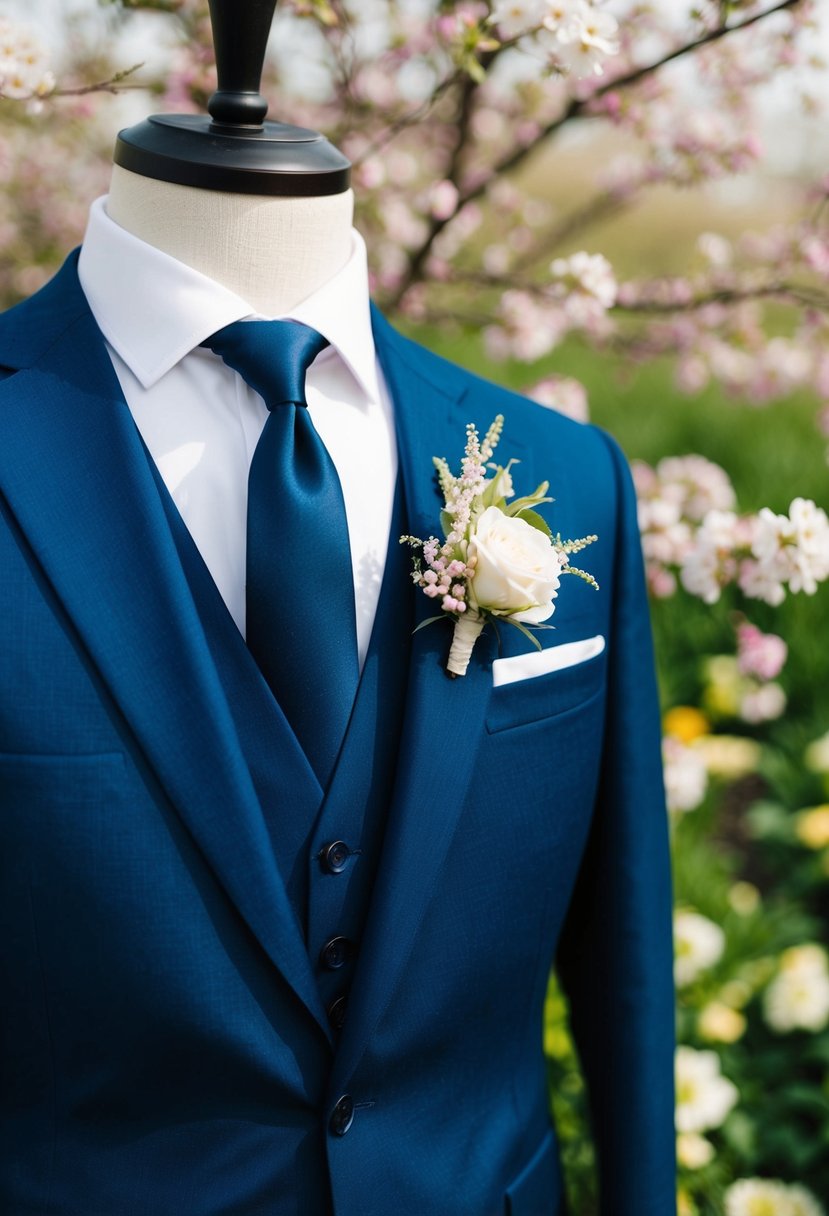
(547, 696)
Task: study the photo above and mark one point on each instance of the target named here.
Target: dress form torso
(272, 251)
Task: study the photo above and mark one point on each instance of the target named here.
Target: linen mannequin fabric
(300, 595)
(173, 875)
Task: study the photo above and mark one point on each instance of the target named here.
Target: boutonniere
(499, 560)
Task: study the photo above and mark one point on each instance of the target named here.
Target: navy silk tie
(301, 626)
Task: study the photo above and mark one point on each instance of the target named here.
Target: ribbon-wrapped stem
(467, 631)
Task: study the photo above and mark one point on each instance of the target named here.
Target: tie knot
(272, 356)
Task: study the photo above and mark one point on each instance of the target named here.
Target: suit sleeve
(615, 954)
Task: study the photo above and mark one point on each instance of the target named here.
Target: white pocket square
(541, 663)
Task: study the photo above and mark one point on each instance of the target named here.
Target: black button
(336, 953)
(335, 856)
(342, 1116)
(336, 1012)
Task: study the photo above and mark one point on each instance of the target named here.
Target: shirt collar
(153, 310)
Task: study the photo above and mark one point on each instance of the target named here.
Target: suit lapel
(76, 478)
(441, 714)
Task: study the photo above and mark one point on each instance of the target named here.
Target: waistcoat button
(336, 1012)
(335, 856)
(342, 1116)
(336, 953)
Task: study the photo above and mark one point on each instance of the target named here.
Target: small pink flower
(443, 200)
(759, 654)
(612, 104)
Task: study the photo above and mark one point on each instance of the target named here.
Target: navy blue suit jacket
(164, 1048)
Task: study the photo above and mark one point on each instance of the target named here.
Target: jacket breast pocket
(559, 692)
(65, 782)
(538, 1191)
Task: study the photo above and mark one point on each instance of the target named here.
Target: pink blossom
(564, 394)
(759, 654)
(443, 199)
(661, 582)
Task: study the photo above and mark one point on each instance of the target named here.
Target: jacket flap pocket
(522, 701)
(537, 1191)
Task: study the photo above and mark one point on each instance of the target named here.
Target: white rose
(516, 570)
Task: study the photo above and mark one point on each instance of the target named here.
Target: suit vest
(329, 863)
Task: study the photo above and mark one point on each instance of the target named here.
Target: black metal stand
(235, 149)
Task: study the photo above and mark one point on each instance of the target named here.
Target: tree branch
(113, 85)
(409, 118)
(601, 207)
(793, 293)
(576, 108)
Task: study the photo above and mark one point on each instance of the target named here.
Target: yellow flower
(736, 993)
(817, 755)
(720, 1024)
(744, 898)
(556, 1043)
(729, 756)
(685, 1205)
(808, 957)
(693, 1151)
(685, 723)
(725, 685)
(813, 827)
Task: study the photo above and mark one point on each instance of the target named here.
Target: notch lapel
(77, 480)
(441, 713)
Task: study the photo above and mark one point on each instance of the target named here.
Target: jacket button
(336, 1012)
(335, 953)
(335, 856)
(342, 1116)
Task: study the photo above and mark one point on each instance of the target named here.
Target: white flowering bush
(798, 996)
(704, 1097)
(769, 1197)
(698, 944)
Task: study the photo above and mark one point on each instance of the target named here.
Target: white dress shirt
(201, 421)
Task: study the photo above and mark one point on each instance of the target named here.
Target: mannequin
(272, 251)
